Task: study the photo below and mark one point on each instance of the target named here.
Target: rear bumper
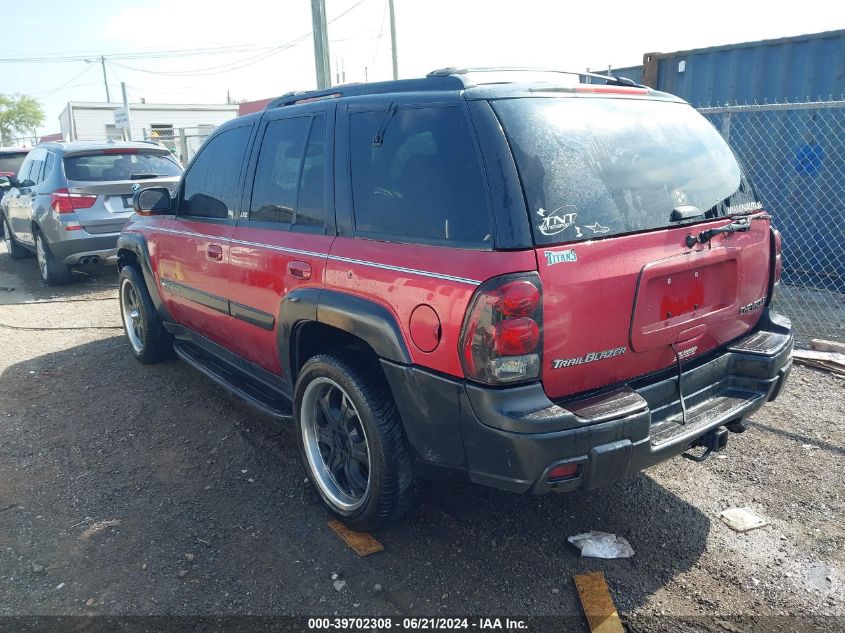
(510, 438)
(82, 247)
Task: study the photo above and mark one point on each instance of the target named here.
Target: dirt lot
(134, 490)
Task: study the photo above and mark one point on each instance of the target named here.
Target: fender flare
(372, 323)
(137, 243)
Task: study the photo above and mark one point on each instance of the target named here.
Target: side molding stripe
(337, 258)
(244, 313)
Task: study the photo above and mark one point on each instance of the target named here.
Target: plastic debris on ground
(602, 545)
(742, 519)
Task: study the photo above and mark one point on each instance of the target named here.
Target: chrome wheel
(335, 444)
(41, 254)
(130, 309)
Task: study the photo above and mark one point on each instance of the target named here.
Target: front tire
(148, 340)
(53, 272)
(16, 251)
(352, 441)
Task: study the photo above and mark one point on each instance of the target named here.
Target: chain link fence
(182, 142)
(19, 141)
(795, 154)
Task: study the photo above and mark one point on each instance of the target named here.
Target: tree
(19, 115)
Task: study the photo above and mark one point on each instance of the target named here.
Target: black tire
(53, 272)
(392, 487)
(16, 251)
(149, 341)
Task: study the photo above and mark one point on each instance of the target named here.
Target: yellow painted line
(361, 543)
(597, 603)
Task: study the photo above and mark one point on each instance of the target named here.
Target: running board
(260, 396)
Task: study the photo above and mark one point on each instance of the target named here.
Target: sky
(254, 49)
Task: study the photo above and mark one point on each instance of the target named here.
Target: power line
(158, 54)
(236, 65)
(153, 54)
(380, 32)
(51, 91)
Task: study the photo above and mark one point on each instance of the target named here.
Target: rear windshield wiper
(739, 226)
(145, 176)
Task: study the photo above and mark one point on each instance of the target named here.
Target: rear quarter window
(423, 182)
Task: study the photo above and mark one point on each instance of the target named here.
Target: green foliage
(19, 115)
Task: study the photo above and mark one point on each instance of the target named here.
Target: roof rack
(452, 78)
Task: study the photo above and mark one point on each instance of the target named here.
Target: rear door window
(211, 183)
(311, 204)
(416, 177)
(275, 188)
(109, 165)
(593, 168)
(49, 161)
(289, 185)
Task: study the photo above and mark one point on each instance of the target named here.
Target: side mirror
(5, 182)
(26, 184)
(152, 201)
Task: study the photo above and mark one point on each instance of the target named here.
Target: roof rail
(445, 79)
(378, 87)
(608, 78)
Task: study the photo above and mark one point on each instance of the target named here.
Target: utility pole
(105, 80)
(393, 40)
(321, 44)
(128, 128)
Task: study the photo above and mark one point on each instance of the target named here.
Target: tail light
(776, 268)
(500, 339)
(63, 201)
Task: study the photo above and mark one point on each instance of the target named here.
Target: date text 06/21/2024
(419, 623)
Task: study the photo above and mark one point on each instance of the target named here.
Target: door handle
(300, 270)
(215, 251)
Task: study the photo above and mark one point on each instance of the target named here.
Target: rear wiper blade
(144, 176)
(739, 226)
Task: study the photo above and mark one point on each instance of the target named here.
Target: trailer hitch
(712, 442)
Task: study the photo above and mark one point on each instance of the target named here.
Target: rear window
(416, 177)
(595, 168)
(111, 165)
(11, 163)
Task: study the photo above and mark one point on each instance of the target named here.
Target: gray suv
(69, 201)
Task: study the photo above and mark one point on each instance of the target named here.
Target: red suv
(517, 278)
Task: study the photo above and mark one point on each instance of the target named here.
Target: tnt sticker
(556, 221)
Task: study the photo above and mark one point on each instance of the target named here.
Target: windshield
(111, 165)
(11, 163)
(600, 167)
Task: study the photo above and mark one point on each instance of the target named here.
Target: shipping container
(804, 67)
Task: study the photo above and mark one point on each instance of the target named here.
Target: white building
(87, 121)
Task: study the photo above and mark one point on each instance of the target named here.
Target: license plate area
(679, 293)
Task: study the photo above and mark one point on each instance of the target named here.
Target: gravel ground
(146, 490)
